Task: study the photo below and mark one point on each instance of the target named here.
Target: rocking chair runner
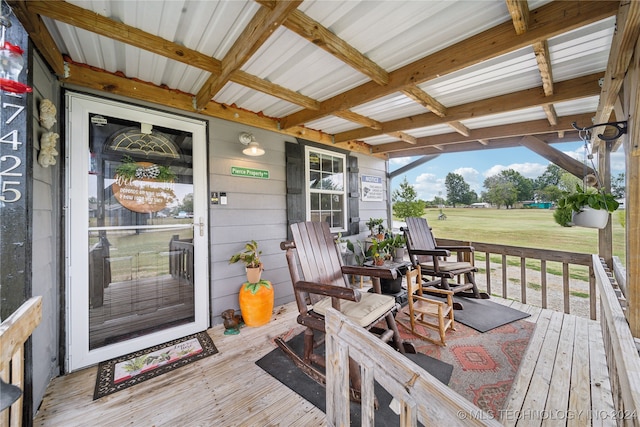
(324, 285)
(425, 252)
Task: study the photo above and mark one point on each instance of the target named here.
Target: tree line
(501, 190)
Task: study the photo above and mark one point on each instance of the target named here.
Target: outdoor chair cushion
(370, 308)
(445, 266)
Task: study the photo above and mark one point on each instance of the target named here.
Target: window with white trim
(326, 187)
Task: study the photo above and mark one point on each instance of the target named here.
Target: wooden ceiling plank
(541, 50)
(567, 90)
(550, 111)
(622, 47)
(98, 24)
(566, 162)
(426, 100)
(551, 19)
(259, 29)
(519, 11)
(90, 77)
(460, 128)
(486, 135)
(358, 118)
(314, 32)
(40, 36)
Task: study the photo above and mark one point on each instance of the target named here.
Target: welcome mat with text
(134, 368)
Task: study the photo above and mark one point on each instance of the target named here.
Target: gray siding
(46, 262)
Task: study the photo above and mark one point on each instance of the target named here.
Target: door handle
(201, 225)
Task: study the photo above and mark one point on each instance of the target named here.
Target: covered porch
(563, 376)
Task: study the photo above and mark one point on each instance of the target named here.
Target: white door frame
(77, 221)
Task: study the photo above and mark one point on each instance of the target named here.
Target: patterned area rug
(484, 364)
(134, 368)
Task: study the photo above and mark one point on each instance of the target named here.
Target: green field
(532, 228)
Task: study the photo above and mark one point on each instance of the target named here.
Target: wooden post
(632, 202)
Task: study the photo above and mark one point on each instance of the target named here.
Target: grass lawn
(532, 228)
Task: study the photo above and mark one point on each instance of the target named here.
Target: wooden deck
(563, 380)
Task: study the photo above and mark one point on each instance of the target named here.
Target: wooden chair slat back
(317, 252)
(419, 236)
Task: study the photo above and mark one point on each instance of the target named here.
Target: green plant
(130, 170)
(581, 198)
(250, 256)
(396, 241)
(375, 225)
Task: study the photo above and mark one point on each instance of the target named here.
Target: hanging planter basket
(591, 218)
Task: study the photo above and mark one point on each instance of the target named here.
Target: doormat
(484, 364)
(484, 315)
(134, 368)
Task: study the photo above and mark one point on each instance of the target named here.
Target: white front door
(136, 220)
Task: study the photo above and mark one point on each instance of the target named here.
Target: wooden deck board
(564, 361)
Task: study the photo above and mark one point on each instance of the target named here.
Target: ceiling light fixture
(253, 148)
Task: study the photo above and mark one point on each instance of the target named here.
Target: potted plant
(375, 227)
(396, 244)
(256, 295)
(251, 259)
(342, 243)
(588, 206)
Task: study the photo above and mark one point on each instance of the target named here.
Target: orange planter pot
(256, 302)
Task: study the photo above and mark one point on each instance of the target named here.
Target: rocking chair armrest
(437, 291)
(457, 248)
(438, 252)
(381, 272)
(328, 290)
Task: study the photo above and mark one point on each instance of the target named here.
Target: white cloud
(428, 186)
(528, 170)
(397, 162)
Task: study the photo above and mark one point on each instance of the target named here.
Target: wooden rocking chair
(323, 285)
(426, 253)
(428, 312)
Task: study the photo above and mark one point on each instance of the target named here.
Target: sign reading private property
(371, 188)
(249, 173)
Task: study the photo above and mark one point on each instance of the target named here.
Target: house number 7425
(10, 164)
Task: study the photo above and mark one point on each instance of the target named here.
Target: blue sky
(428, 178)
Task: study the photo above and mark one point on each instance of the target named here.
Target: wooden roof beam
(98, 24)
(486, 135)
(358, 118)
(580, 87)
(426, 100)
(259, 29)
(40, 36)
(551, 19)
(519, 11)
(404, 137)
(311, 30)
(476, 146)
(622, 47)
(557, 157)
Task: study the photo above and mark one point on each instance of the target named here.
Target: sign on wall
(249, 173)
(371, 188)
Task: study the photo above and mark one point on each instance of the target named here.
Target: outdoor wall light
(253, 148)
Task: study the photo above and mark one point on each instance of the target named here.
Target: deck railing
(420, 396)
(622, 355)
(14, 332)
(544, 256)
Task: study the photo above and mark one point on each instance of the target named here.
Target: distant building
(480, 205)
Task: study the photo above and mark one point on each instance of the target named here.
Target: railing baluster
(488, 272)
(504, 276)
(543, 281)
(592, 291)
(523, 280)
(565, 286)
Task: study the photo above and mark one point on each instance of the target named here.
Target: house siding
(46, 238)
